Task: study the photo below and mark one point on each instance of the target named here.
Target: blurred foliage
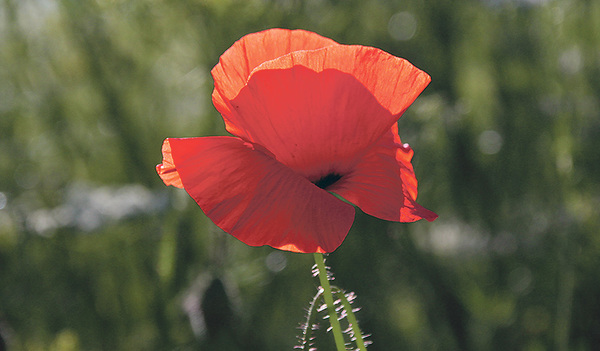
(96, 254)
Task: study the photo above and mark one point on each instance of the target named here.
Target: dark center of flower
(327, 180)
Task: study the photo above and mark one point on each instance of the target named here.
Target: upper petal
(393, 81)
(383, 183)
(236, 64)
(317, 110)
(256, 199)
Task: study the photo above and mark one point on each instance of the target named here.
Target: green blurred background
(97, 254)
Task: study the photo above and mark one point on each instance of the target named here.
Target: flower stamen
(327, 180)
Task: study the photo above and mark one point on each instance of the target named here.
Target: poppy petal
(235, 65)
(393, 81)
(166, 170)
(383, 183)
(258, 200)
(317, 110)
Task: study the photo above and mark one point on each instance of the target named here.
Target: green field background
(97, 254)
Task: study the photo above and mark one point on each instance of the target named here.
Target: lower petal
(258, 200)
(383, 183)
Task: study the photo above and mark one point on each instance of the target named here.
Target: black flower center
(327, 180)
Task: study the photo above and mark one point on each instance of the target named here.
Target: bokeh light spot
(490, 142)
(276, 261)
(402, 26)
(3, 200)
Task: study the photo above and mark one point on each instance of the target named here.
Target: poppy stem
(345, 299)
(328, 296)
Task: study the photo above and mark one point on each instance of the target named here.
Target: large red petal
(257, 199)
(317, 110)
(383, 184)
(236, 64)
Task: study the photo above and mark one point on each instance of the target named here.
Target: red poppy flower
(310, 117)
